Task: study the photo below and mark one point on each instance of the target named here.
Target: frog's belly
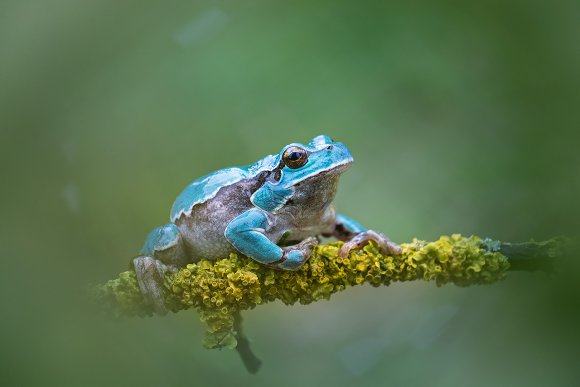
(285, 236)
(295, 225)
(205, 240)
(203, 229)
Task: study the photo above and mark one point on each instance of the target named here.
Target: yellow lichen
(220, 289)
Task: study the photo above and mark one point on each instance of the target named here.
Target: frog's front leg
(247, 234)
(356, 236)
(163, 251)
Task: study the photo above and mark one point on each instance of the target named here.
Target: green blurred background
(462, 117)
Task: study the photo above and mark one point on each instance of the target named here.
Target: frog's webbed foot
(150, 277)
(163, 251)
(363, 238)
(356, 236)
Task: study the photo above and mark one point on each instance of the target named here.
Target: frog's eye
(295, 157)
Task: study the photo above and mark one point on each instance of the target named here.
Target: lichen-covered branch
(220, 289)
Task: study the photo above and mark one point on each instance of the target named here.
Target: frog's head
(320, 158)
(305, 175)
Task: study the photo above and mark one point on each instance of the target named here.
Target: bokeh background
(463, 117)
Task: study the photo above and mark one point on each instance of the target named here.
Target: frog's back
(204, 189)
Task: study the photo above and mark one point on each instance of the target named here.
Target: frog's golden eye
(295, 157)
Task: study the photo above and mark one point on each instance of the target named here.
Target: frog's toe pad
(363, 238)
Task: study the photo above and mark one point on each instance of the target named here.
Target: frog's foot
(150, 273)
(363, 238)
(295, 256)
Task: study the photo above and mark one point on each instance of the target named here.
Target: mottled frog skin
(272, 211)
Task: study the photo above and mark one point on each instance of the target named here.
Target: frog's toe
(150, 274)
(306, 247)
(308, 244)
(363, 238)
(295, 256)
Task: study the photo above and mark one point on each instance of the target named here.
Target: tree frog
(271, 211)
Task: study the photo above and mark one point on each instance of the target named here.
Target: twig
(221, 289)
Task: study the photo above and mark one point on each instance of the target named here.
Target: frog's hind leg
(163, 251)
(356, 236)
(166, 244)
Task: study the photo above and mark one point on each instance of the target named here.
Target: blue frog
(271, 211)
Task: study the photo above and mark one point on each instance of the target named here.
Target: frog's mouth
(339, 167)
(334, 169)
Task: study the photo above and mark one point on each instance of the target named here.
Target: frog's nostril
(329, 147)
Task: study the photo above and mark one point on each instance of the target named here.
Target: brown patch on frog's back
(234, 196)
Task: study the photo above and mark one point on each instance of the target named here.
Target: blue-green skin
(266, 211)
